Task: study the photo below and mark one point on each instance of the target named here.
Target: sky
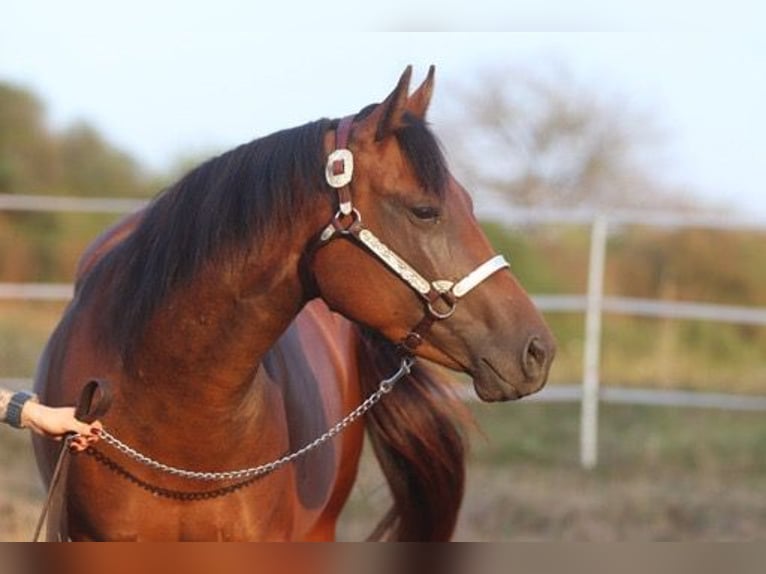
(175, 79)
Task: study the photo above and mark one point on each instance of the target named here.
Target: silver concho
(343, 178)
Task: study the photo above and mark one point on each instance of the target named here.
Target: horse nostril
(535, 358)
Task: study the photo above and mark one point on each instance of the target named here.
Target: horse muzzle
(512, 377)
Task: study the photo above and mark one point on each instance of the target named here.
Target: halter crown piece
(338, 173)
(340, 166)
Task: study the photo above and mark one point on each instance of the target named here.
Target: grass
(24, 330)
(671, 354)
(633, 439)
(42, 247)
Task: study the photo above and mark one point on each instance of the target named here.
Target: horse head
(406, 256)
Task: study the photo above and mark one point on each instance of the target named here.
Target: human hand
(57, 422)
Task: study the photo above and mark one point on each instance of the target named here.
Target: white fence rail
(68, 204)
(36, 291)
(657, 309)
(594, 303)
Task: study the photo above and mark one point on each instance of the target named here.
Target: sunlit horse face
(406, 196)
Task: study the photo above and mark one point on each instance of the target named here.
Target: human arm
(23, 410)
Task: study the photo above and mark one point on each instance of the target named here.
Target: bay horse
(261, 298)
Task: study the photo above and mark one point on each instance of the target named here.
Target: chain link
(384, 387)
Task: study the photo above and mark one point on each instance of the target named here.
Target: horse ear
(387, 117)
(419, 100)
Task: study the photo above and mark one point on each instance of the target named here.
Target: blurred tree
(690, 265)
(539, 138)
(92, 167)
(28, 155)
(34, 159)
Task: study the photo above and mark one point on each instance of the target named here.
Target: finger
(90, 430)
(78, 444)
(82, 429)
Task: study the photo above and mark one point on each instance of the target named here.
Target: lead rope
(93, 403)
(384, 387)
(63, 460)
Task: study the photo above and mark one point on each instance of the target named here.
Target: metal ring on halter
(355, 216)
(439, 315)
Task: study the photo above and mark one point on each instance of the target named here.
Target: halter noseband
(347, 222)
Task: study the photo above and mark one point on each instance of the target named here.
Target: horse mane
(230, 204)
(417, 433)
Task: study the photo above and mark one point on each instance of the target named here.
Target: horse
(249, 310)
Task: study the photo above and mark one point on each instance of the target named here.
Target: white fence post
(592, 351)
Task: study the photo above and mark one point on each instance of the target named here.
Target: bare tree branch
(540, 138)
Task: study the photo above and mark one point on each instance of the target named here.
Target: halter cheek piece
(440, 297)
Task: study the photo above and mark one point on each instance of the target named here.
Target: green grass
(24, 330)
(45, 247)
(633, 439)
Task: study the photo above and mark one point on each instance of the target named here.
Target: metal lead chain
(384, 387)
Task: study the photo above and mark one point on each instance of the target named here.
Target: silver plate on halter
(399, 265)
(343, 178)
(442, 286)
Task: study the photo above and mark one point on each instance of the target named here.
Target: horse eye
(425, 212)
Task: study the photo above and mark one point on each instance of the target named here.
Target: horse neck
(211, 334)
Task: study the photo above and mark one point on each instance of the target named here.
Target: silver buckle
(343, 178)
(440, 316)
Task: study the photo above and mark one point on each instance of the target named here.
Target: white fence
(593, 304)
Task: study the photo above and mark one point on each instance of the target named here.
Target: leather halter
(347, 222)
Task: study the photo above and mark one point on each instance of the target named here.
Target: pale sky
(167, 79)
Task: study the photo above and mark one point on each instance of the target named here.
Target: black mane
(230, 203)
